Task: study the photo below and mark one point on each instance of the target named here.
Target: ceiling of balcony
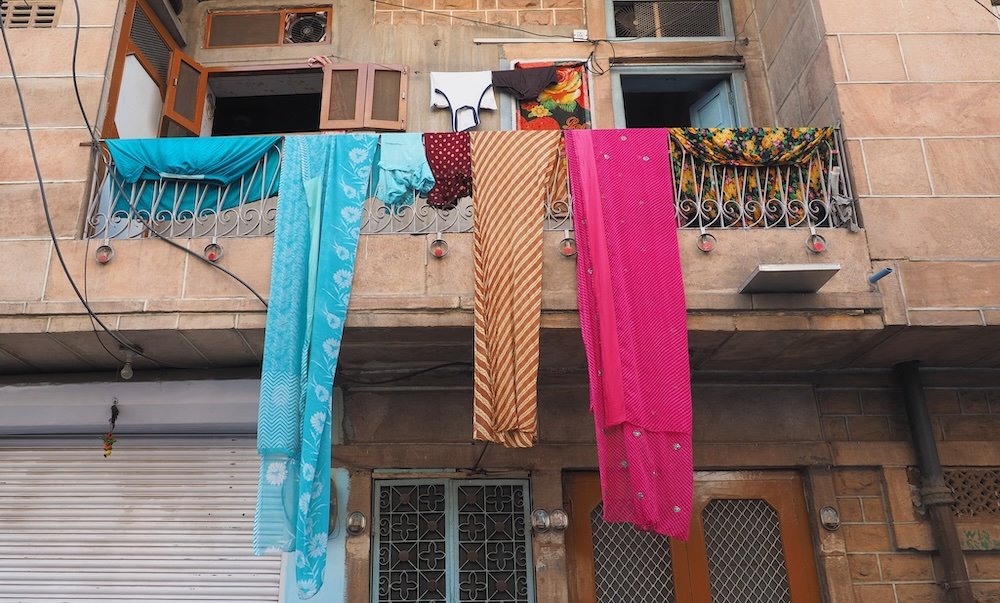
(377, 351)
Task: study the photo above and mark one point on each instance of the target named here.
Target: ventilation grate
(29, 13)
(976, 491)
(630, 566)
(746, 561)
(150, 42)
(668, 19)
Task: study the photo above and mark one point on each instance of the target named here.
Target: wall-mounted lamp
(439, 247)
(706, 242)
(213, 252)
(540, 521)
(830, 518)
(104, 254)
(543, 521)
(567, 247)
(356, 523)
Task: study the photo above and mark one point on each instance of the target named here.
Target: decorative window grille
(976, 491)
(452, 541)
(746, 560)
(669, 19)
(630, 566)
(29, 13)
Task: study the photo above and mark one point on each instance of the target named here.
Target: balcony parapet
(811, 191)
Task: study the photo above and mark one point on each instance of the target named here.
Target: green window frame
(451, 541)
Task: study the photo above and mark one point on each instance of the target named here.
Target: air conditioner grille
(305, 28)
(29, 13)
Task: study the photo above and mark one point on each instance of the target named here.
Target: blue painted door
(715, 109)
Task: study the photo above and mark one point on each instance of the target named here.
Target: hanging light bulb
(126, 373)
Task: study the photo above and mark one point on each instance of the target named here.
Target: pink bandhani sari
(634, 323)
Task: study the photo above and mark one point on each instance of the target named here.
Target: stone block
(455, 4)
(927, 228)
(983, 566)
(921, 593)
(920, 110)
(535, 17)
(60, 155)
(774, 25)
(850, 509)
(800, 43)
(874, 593)
(857, 482)
(519, 4)
(839, 402)
(945, 318)
(860, 16)
(969, 284)
(965, 166)
(973, 402)
(972, 428)
(92, 13)
(865, 538)
(248, 258)
(26, 265)
(882, 402)
(896, 167)
(790, 110)
(386, 265)
(67, 204)
(574, 18)
(868, 428)
(906, 567)
(942, 401)
(872, 58)
(951, 57)
(873, 509)
(768, 415)
(141, 269)
(92, 56)
(864, 568)
(49, 104)
(834, 428)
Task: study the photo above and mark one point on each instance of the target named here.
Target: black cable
(477, 21)
(987, 9)
(76, 83)
(486, 446)
(743, 28)
(407, 375)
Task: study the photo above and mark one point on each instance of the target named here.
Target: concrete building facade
(800, 415)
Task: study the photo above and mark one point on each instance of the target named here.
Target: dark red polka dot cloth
(451, 163)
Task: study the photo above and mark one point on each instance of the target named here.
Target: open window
(646, 99)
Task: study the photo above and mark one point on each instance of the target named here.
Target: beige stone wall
(797, 62)
(912, 77)
(846, 433)
(42, 58)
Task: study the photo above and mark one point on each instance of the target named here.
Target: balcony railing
(813, 194)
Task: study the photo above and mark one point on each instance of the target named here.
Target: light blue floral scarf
(324, 181)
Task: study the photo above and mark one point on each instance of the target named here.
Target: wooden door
(187, 82)
(749, 541)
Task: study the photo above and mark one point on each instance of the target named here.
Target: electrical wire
(477, 21)
(409, 375)
(987, 9)
(743, 28)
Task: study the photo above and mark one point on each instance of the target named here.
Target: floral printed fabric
(564, 105)
(751, 146)
(733, 176)
(324, 179)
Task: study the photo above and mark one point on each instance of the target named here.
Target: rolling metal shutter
(152, 523)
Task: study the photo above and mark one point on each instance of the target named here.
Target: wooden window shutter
(343, 101)
(385, 98)
(187, 82)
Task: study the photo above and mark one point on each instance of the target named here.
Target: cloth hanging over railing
(751, 177)
(184, 163)
(512, 172)
(324, 183)
(634, 323)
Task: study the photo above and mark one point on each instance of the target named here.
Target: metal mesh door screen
(630, 566)
(977, 491)
(746, 561)
(452, 541)
(668, 19)
(149, 42)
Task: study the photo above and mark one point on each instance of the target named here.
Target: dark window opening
(659, 101)
(266, 102)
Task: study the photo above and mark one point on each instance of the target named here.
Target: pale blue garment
(165, 178)
(324, 180)
(402, 169)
